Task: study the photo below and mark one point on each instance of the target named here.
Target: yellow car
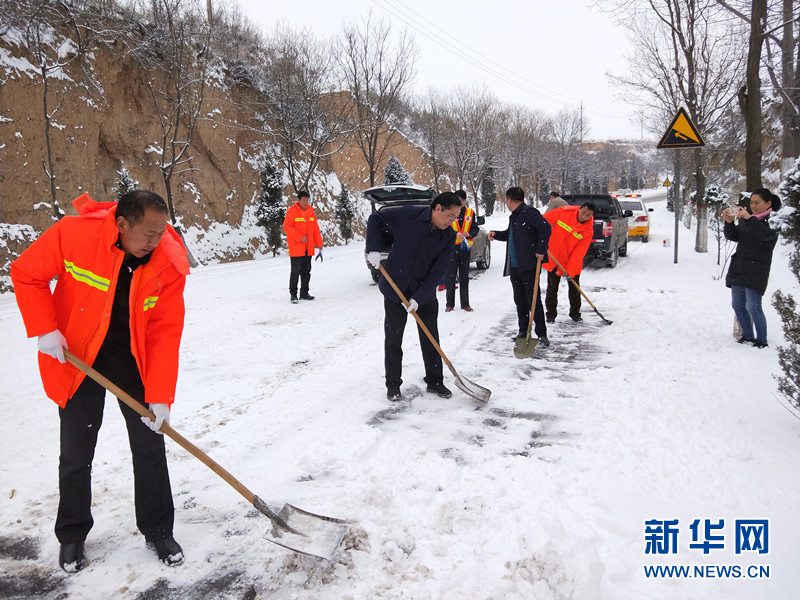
(639, 223)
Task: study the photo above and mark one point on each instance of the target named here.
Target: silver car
(387, 197)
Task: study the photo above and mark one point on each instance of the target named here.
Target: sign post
(681, 133)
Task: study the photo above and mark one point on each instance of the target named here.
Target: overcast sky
(547, 54)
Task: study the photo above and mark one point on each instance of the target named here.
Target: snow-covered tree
(344, 214)
(395, 172)
(788, 220)
(717, 201)
(125, 183)
(488, 191)
(544, 191)
(271, 208)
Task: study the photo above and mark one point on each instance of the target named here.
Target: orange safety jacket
(569, 239)
(81, 253)
(464, 227)
(300, 224)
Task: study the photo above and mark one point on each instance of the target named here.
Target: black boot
(439, 389)
(168, 550)
(72, 557)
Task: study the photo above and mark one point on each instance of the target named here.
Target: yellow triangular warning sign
(681, 133)
(666, 183)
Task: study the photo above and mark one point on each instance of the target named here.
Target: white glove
(374, 258)
(161, 411)
(53, 344)
(412, 305)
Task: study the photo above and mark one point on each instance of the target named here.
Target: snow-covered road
(543, 493)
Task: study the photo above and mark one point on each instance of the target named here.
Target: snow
(543, 493)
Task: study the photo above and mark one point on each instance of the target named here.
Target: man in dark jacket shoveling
(527, 235)
(420, 255)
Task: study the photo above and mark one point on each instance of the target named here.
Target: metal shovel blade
(525, 346)
(306, 532)
(472, 389)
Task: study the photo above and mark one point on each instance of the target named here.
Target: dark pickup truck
(610, 239)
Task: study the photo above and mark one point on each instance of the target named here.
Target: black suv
(610, 239)
(386, 197)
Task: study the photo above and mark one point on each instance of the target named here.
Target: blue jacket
(530, 233)
(420, 253)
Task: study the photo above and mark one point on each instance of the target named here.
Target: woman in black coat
(748, 272)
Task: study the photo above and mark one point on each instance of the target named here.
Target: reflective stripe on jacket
(464, 226)
(569, 239)
(81, 252)
(300, 224)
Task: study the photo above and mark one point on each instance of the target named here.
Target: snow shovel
(572, 281)
(471, 389)
(292, 527)
(524, 347)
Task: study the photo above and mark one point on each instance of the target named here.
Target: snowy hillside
(543, 493)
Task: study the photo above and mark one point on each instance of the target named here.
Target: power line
(433, 32)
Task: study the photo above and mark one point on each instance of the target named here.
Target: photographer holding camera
(748, 272)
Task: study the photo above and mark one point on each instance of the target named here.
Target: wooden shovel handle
(417, 317)
(535, 292)
(571, 280)
(165, 427)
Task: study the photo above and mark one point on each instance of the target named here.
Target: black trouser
(301, 268)
(522, 284)
(394, 325)
(459, 265)
(80, 424)
(551, 299)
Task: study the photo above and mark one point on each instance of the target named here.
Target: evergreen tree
(271, 208)
(604, 185)
(671, 198)
(587, 185)
(544, 191)
(488, 191)
(575, 185)
(623, 180)
(395, 172)
(789, 222)
(344, 214)
(125, 183)
(633, 180)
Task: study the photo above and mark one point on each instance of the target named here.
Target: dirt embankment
(95, 134)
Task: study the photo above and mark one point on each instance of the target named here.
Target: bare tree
(57, 37)
(686, 56)
(782, 64)
(428, 121)
(750, 95)
(304, 117)
(472, 135)
(377, 74)
(566, 147)
(174, 46)
(525, 134)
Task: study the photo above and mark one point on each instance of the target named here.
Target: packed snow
(543, 493)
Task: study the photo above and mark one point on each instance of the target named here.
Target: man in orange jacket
(570, 239)
(118, 305)
(303, 235)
